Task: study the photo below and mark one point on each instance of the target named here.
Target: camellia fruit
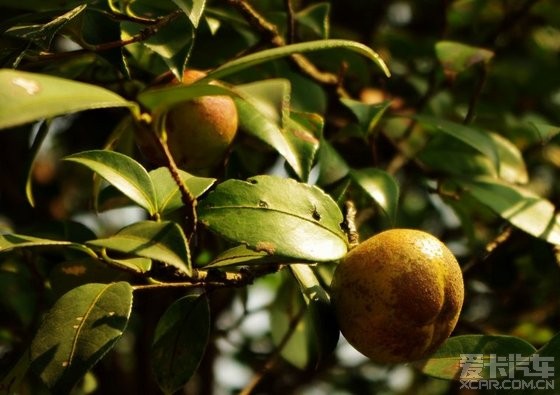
(398, 295)
(199, 132)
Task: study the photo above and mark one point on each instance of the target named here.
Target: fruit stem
(350, 221)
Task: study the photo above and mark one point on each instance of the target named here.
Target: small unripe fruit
(199, 131)
(398, 295)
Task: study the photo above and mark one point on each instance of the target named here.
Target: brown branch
(291, 33)
(143, 35)
(270, 33)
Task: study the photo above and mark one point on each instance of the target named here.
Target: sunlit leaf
(256, 58)
(27, 97)
(194, 9)
(81, 327)
(180, 341)
(278, 216)
(381, 187)
(518, 206)
(242, 255)
(123, 172)
(161, 241)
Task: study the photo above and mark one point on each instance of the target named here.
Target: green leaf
(194, 9)
(332, 166)
(381, 187)
(457, 57)
(123, 172)
(321, 314)
(34, 150)
(27, 97)
(450, 156)
(545, 132)
(276, 215)
(267, 55)
(476, 138)
(173, 41)
(161, 241)
(241, 255)
(43, 34)
(313, 21)
(368, 115)
(520, 207)
(263, 109)
(302, 327)
(78, 331)
(10, 241)
(168, 196)
(180, 340)
(161, 99)
(445, 363)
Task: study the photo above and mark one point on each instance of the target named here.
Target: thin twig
(270, 33)
(291, 33)
(350, 222)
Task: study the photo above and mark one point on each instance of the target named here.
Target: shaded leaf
(450, 156)
(332, 166)
(180, 340)
(81, 327)
(381, 187)
(276, 215)
(256, 58)
(313, 21)
(242, 255)
(445, 363)
(10, 241)
(476, 138)
(123, 172)
(545, 132)
(27, 97)
(457, 57)
(43, 34)
(35, 147)
(161, 241)
(194, 9)
(368, 115)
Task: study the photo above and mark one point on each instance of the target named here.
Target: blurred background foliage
(486, 65)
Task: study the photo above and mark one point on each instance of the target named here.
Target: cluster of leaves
(460, 141)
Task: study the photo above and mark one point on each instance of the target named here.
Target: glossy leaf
(43, 34)
(27, 97)
(10, 241)
(168, 196)
(161, 241)
(34, 150)
(457, 57)
(123, 172)
(381, 187)
(518, 206)
(267, 55)
(278, 216)
(368, 115)
(81, 327)
(545, 132)
(180, 341)
(445, 363)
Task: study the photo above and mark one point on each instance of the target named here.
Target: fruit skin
(199, 132)
(398, 295)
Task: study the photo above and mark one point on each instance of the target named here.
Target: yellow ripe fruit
(397, 296)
